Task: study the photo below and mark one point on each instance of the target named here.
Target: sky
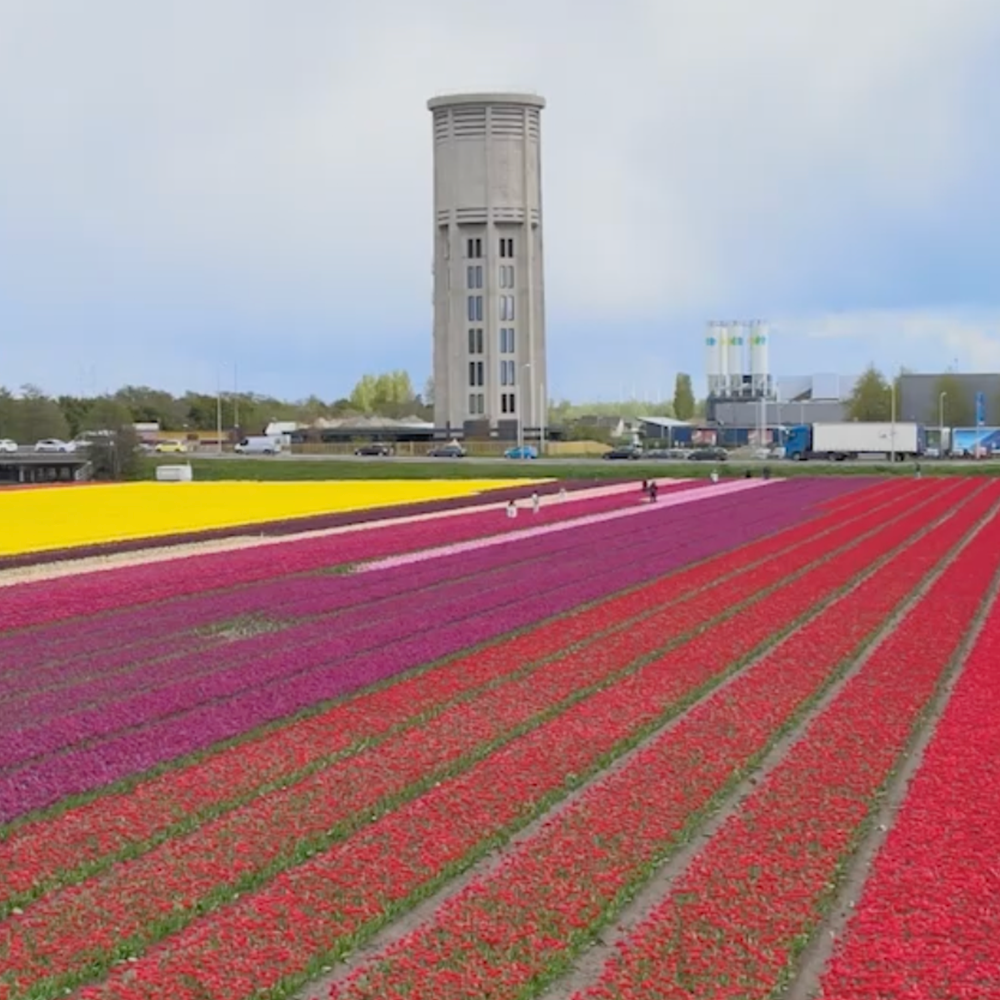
(196, 192)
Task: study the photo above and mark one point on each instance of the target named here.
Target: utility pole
(218, 410)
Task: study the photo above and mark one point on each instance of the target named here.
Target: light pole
(218, 410)
(892, 421)
(541, 419)
(522, 401)
(941, 398)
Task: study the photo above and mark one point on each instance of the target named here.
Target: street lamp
(541, 418)
(521, 402)
(892, 419)
(941, 398)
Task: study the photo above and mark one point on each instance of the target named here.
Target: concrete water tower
(489, 288)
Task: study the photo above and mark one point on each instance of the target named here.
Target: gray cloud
(701, 156)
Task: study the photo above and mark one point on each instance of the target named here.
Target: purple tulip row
(275, 687)
(169, 687)
(48, 642)
(281, 598)
(500, 568)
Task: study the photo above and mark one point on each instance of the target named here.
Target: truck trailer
(837, 442)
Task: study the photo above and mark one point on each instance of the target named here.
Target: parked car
(447, 451)
(708, 455)
(670, 454)
(170, 447)
(521, 451)
(7, 446)
(626, 452)
(54, 445)
(374, 450)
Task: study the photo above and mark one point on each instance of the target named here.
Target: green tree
(683, 397)
(114, 453)
(106, 414)
(37, 416)
(870, 398)
(147, 405)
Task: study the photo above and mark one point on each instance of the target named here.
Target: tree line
(30, 414)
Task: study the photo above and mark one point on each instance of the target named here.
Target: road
(598, 461)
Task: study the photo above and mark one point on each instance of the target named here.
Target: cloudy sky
(189, 183)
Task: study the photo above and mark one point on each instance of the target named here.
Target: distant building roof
(664, 421)
(372, 423)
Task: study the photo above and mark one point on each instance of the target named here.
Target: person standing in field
(714, 477)
(653, 490)
(535, 502)
(511, 510)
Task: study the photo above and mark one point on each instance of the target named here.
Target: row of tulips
(274, 932)
(298, 681)
(96, 832)
(324, 593)
(359, 600)
(512, 931)
(737, 918)
(927, 924)
(296, 596)
(52, 600)
(638, 622)
(106, 703)
(140, 585)
(71, 706)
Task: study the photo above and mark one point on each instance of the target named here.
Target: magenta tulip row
(265, 688)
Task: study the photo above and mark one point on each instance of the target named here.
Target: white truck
(838, 441)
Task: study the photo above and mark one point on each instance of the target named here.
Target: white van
(259, 446)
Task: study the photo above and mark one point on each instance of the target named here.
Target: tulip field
(737, 743)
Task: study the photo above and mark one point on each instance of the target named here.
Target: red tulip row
(161, 891)
(278, 931)
(928, 924)
(41, 854)
(736, 920)
(521, 925)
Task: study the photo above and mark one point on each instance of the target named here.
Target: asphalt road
(482, 460)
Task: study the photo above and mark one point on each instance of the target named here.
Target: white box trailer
(849, 440)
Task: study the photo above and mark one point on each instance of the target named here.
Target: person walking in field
(511, 510)
(535, 502)
(653, 490)
(714, 477)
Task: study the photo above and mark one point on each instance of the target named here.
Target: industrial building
(745, 396)
(489, 290)
(920, 397)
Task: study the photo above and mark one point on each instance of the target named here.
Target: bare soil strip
(592, 961)
(817, 954)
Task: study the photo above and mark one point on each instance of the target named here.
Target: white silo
(713, 348)
(722, 335)
(734, 354)
(759, 359)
